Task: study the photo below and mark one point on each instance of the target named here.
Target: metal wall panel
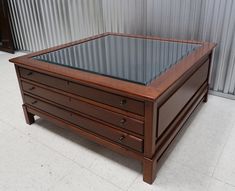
(39, 24)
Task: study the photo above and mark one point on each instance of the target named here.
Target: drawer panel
(172, 107)
(86, 108)
(90, 125)
(44, 79)
(114, 100)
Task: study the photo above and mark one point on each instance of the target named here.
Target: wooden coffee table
(129, 93)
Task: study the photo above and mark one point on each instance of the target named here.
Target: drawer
(114, 100)
(87, 124)
(86, 108)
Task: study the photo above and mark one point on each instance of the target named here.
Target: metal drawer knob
(32, 88)
(123, 121)
(34, 102)
(30, 73)
(121, 138)
(123, 102)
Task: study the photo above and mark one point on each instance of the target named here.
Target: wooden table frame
(189, 79)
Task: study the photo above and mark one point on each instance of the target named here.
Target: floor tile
(119, 170)
(27, 165)
(82, 179)
(216, 185)
(202, 143)
(173, 177)
(67, 143)
(4, 128)
(13, 115)
(225, 169)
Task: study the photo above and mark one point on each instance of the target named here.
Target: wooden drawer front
(86, 108)
(171, 108)
(85, 123)
(121, 102)
(44, 79)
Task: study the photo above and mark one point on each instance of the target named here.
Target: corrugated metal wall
(39, 24)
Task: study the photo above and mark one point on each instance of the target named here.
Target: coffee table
(129, 93)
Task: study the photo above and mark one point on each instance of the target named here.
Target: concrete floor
(45, 157)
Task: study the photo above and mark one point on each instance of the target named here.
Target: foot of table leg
(206, 95)
(205, 98)
(29, 117)
(149, 170)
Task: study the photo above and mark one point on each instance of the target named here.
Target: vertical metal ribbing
(39, 24)
(13, 24)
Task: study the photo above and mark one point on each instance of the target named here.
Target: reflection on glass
(132, 59)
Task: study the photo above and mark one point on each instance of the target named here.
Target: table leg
(29, 117)
(206, 95)
(149, 170)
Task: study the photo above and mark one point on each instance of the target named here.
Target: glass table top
(127, 58)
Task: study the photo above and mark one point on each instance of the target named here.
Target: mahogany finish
(135, 120)
(113, 118)
(84, 91)
(181, 97)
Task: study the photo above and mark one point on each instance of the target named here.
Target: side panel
(170, 113)
(177, 101)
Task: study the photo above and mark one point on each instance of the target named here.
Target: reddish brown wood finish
(174, 104)
(92, 105)
(29, 117)
(84, 91)
(113, 118)
(150, 92)
(150, 132)
(88, 124)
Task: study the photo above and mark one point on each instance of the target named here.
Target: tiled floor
(45, 157)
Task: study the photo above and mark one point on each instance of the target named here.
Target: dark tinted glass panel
(132, 59)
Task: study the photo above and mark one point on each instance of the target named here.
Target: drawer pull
(34, 102)
(121, 138)
(32, 88)
(123, 121)
(123, 102)
(116, 100)
(30, 73)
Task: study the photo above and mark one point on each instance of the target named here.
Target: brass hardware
(32, 88)
(123, 102)
(121, 138)
(34, 102)
(123, 121)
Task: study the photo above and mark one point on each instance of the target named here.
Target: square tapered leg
(29, 117)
